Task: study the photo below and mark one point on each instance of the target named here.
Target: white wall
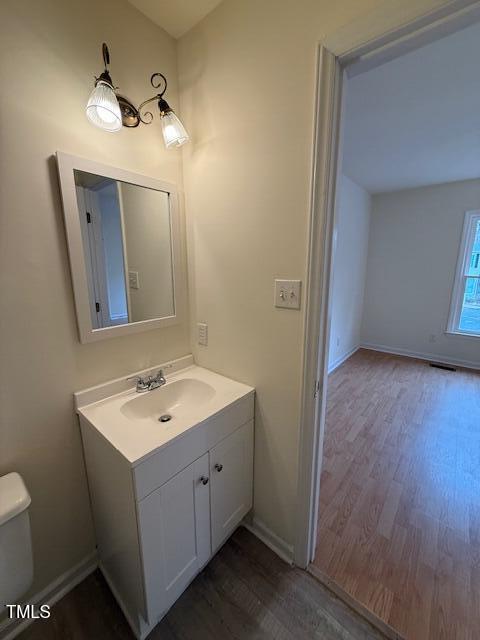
(247, 77)
(146, 215)
(57, 47)
(109, 209)
(413, 248)
(349, 269)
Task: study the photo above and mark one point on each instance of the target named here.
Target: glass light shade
(103, 109)
(174, 133)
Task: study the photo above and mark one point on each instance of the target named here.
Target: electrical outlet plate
(287, 294)
(202, 329)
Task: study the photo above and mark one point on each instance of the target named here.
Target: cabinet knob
(204, 480)
(218, 467)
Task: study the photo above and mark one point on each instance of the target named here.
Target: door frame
(343, 56)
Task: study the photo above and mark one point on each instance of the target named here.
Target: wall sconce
(109, 110)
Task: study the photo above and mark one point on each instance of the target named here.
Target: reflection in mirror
(127, 244)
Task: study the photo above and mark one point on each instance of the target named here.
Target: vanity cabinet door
(175, 535)
(231, 473)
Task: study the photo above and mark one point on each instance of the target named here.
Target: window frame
(464, 256)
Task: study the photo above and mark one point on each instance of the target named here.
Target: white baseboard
(139, 628)
(274, 542)
(336, 363)
(431, 357)
(9, 629)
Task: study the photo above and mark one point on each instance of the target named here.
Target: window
(465, 308)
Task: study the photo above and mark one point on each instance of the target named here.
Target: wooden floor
(245, 592)
(399, 525)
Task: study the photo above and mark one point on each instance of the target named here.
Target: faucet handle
(137, 378)
(159, 377)
(142, 383)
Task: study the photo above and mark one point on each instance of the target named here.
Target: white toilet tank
(16, 559)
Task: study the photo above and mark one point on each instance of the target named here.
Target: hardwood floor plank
(399, 518)
(389, 509)
(245, 593)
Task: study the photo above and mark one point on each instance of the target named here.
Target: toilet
(16, 559)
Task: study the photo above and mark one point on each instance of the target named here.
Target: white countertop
(136, 438)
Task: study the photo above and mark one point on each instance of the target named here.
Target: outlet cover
(202, 329)
(287, 294)
(133, 280)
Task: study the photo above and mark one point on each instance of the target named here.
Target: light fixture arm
(106, 55)
(162, 104)
(147, 113)
(105, 76)
(156, 85)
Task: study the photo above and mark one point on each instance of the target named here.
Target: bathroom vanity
(165, 495)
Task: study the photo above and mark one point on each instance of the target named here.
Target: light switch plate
(202, 328)
(133, 280)
(288, 294)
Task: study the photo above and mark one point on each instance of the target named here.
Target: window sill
(462, 334)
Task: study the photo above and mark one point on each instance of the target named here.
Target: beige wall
(146, 217)
(247, 75)
(413, 249)
(49, 51)
(352, 227)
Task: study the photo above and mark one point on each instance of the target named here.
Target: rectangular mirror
(123, 239)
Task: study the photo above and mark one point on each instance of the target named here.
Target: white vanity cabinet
(231, 472)
(186, 520)
(175, 534)
(158, 521)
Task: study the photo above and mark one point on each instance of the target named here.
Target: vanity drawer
(162, 466)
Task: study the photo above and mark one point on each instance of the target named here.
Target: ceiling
(415, 121)
(175, 16)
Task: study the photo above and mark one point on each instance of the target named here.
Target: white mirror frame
(66, 165)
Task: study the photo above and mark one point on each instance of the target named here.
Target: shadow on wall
(195, 100)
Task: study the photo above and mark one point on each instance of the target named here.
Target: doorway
(400, 370)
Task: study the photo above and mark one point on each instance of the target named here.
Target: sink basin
(130, 420)
(178, 399)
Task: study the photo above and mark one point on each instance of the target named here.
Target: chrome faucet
(148, 383)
